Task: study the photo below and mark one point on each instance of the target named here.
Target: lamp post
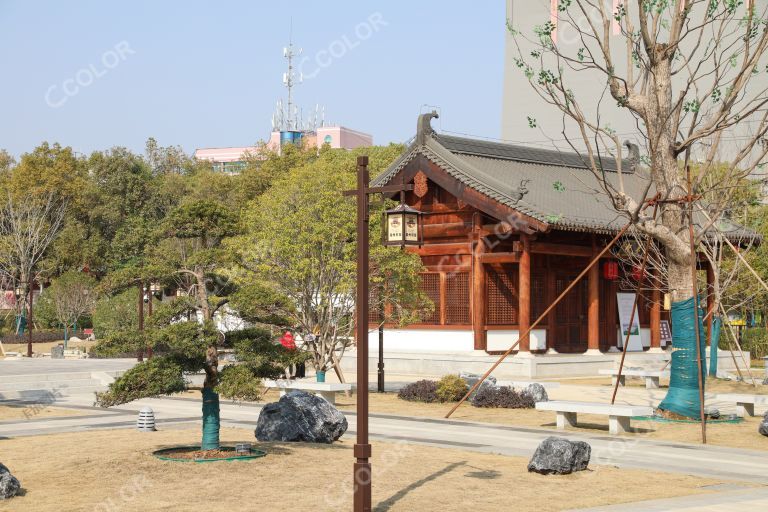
(362, 449)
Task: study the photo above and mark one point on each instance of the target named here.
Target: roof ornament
(634, 155)
(521, 190)
(424, 127)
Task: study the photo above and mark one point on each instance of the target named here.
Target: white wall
(423, 340)
(502, 340)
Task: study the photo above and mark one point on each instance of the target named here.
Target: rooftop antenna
(290, 79)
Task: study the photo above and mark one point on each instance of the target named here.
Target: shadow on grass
(387, 504)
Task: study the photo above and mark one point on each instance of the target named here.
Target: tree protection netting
(683, 395)
(716, 326)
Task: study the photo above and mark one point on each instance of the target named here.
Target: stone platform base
(437, 364)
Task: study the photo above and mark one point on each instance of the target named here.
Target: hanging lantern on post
(611, 270)
(403, 226)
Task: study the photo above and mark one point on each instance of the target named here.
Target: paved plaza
(744, 468)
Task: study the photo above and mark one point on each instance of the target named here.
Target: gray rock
(472, 378)
(763, 428)
(712, 413)
(537, 392)
(300, 417)
(559, 456)
(9, 485)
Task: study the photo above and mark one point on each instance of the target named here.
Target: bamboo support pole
(540, 318)
(694, 289)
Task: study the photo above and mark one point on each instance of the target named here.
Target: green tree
(299, 242)
(187, 347)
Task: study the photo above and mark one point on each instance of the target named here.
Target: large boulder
(537, 392)
(300, 417)
(472, 378)
(763, 428)
(9, 485)
(559, 456)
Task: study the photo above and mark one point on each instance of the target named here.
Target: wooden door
(570, 320)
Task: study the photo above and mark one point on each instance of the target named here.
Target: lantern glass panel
(411, 225)
(395, 227)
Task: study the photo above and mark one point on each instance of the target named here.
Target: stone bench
(618, 415)
(745, 404)
(326, 390)
(651, 377)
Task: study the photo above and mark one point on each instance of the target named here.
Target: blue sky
(204, 74)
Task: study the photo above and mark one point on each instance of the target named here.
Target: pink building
(232, 160)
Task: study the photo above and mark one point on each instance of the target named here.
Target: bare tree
(28, 226)
(73, 296)
(691, 76)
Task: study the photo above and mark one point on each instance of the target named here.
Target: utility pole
(29, 320)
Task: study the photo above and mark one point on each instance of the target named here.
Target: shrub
(451, 388)
(420, 391)
(504, 396)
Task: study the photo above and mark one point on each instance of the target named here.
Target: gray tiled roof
(561, 190)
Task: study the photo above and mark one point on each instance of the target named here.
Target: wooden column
(710, 301)
(655, 316)
(593, 309)
(478, 285)
(524, 292)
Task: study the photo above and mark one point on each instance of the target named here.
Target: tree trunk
(679, 280)
(211, 408)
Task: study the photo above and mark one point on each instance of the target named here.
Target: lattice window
(457, 298)
(430, 285)
(501, 296)
(375, 314)
(538, 295)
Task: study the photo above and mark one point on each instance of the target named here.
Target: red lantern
(637, 273)
(611, 270)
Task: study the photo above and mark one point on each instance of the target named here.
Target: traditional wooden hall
(506, 229)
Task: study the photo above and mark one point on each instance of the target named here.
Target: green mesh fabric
(211, 420)
(683, 395)
(717, 324)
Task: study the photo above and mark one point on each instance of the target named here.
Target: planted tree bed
(195, 454)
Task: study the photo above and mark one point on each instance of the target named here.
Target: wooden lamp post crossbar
(362, 448)
(527, 331)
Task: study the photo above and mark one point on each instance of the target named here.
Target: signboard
(666, 332)
(625, 301)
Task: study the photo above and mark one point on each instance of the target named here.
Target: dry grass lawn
(33, 411)
(102, 471)
(741, 435)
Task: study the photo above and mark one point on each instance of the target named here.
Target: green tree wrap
(683, 395)
(211, 420)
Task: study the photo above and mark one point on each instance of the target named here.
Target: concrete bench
(326, 390)
(745, 404)
(618, 415)
(651, 377)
